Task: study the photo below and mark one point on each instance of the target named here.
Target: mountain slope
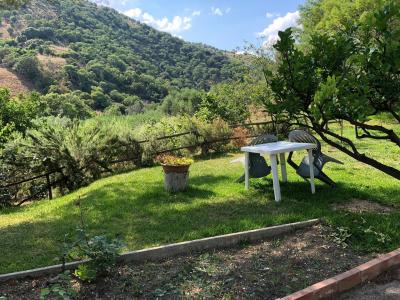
(104, 52)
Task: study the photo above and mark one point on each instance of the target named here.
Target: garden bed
(384, 287)
(268, 270)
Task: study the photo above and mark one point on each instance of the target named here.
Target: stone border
(347, 280)
(158, 253)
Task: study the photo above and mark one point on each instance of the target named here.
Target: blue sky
(223, 24)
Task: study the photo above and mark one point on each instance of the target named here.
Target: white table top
(278, 147)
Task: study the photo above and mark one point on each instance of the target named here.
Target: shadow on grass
(145, 215)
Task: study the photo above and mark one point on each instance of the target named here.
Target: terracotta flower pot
(175, 177)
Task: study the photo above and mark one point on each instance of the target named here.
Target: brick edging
(347, 280)
(161, 252)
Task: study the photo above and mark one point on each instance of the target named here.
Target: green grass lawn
(135, 207)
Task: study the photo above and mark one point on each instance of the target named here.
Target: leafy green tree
(184, 101)
(100, 100)
(232, 101)
(350, 75)
(115, 109)
(67, 105)
(330, 16)
(28, 66)
(10, 4)
(136, 108)
(17, 114)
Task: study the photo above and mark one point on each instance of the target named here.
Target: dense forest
(103, 57)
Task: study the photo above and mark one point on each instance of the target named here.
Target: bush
(79, 153)
(213, 135)
(240, 135)
(67, 105)
(166, 127)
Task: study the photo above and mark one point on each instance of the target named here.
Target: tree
(349, 75)
(183, 101)
(67, 105)
(17, 114)
(330, 16)
(10, 4)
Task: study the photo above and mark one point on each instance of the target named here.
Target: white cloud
(174, 26)
(270, 33)
(216, 11)
(196, 13)
(133, 13)
(219, 11)
(272, 15)
(102, 2)
(112, 3)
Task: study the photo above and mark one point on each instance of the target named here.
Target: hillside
(67, 45)
(13, 82)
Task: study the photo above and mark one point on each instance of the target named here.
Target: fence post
(49, 186)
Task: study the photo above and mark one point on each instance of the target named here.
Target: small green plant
(379, 236)
(61, 288)
(100, 250)
(341, 236)
(86, 273)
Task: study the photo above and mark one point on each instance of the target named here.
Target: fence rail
(49, 184)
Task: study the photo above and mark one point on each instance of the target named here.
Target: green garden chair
(320, 159)
(258, 167)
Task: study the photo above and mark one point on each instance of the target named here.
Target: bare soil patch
(13, 82)
(53, 64)
(361, 206)
(267, 270)
(58, 49)
(385, 287)
(3, 30)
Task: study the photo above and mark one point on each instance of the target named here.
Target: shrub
(165, 127)
(79, 153)
(240, 135)
(213, 135)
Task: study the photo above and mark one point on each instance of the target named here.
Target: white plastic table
(273, 149)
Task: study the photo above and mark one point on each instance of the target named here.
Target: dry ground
(267, 270)
(14, 83)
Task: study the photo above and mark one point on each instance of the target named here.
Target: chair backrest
(264, 139)
(302, 136)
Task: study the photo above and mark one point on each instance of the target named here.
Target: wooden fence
(50, 184)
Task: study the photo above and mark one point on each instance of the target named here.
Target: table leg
(311, 162)
(246, 170)
(275, 178)
(282, 161)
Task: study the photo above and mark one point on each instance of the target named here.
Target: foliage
(183, 101)
(7, 4)
(227, 101)
(331, 16)
(213, 135)
(134, 206)
(78, 153)
(69, 105)
(240, 136)
(17, 114)
(166, 126)
(101, 251)
(107, 52)
(349, 75)
(172, 160)
(59, 289)
(341, 236)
